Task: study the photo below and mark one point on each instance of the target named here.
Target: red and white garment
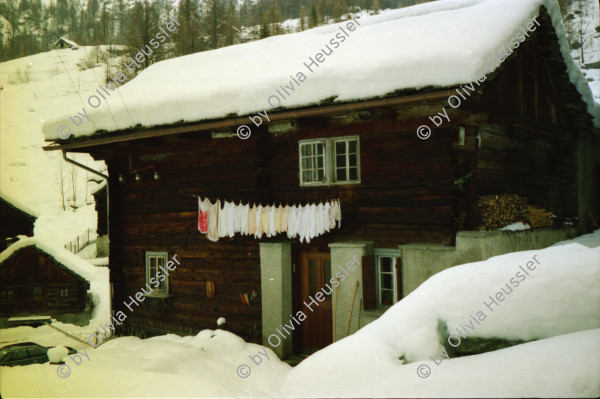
(203, 215)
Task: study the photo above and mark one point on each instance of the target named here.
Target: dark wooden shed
(34, 282)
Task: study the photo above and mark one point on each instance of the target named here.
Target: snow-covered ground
(557, 304)
(28, 173)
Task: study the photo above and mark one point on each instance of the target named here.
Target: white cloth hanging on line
(305, 222)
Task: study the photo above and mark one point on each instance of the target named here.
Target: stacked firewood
(497, 211)
(537, 217)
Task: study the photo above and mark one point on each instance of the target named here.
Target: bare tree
(61, 181)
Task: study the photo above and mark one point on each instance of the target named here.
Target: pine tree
(231, 22)
(186, 37)
(214, 16)
(274, 18)
(144, 24)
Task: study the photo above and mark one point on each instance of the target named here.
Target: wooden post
(335, 309)
(350, 315)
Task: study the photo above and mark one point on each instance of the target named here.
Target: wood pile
(537, 217)
(496, 211)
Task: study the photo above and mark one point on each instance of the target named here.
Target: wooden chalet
(526, 130)
(38, 279)
(15, 219)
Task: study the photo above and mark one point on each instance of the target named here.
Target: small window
(386, 281)
(156, 264)
(346, 160)
(312, 162)
(329, 161)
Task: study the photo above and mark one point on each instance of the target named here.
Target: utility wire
(73, 83)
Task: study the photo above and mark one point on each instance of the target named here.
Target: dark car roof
(21, 344)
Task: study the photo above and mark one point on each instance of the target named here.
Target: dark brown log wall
(30, 269)
(405, 196)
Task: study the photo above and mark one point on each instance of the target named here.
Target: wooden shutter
(368, 277)
(399, 278)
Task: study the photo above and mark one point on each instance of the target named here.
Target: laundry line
(220, 219)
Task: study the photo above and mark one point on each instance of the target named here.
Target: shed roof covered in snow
(65, 258)
(18, 206)
(64, 42)
(440, 44)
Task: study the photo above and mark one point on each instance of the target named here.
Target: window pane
(340, 147)
(340, 175)
(319, 148)
(307, 176)
(320, 162)
(308, 163)
(385, 265)
(312, 278)
(352, 145)
(387, 281)
(352, 160)
(353, 174)
(306, 149)
(340, 161)
(320, 175)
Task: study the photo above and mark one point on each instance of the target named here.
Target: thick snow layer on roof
(61, 255)
(442, 44)
(19, 205)
(69, 42)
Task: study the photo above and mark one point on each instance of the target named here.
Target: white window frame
(157, 292)
(394, 255)
(300, 156)
(329, 154)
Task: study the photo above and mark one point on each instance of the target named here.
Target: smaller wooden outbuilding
(15, 219)
(66, 43)
(40, 279)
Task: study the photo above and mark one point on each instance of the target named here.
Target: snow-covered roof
(439, 44)
(18, 205)
(69, 42)
(61, 255)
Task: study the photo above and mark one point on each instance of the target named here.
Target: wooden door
(315, 272)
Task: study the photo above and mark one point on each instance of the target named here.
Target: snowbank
(560, 296)
(166, 366)
(398, 49)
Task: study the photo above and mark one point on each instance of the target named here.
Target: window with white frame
(156, 265)
(386, 281)
(328, 161)
(312, 162)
